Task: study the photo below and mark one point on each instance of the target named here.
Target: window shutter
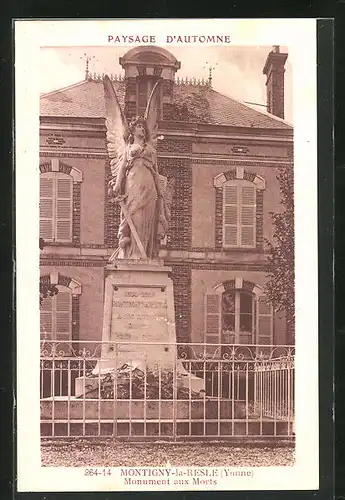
(46, 318)
(46, 208)
(264, 321)
(63, 315)
(213, 318)
(248, 216)
(230, 216)
(64, 209)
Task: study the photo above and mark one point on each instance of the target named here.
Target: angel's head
(138, 129)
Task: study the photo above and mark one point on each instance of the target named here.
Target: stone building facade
(223, 156)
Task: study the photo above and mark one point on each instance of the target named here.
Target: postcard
(166, 255)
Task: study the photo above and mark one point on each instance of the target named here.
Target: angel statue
(144, 195)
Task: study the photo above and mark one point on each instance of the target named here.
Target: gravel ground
(109, 453)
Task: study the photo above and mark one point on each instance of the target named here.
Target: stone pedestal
(139, 321)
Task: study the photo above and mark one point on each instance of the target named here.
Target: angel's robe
(142, 205)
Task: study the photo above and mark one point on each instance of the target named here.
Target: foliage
(41, 243)
(191, 105)
(280, 287)
(132, 384)
(46, 289)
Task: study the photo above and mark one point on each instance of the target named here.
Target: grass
(111, 453)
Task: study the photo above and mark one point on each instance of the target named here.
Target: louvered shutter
(230, 216)
(64, 209)
(46, 318)
(247, 216)
(63, 315)
(46, 208)
(264, 321)
(213, 318)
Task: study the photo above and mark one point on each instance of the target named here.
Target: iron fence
(202, 391)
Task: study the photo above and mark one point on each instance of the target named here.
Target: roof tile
(203, 105)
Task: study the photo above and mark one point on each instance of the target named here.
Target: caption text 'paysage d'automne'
(170, 39)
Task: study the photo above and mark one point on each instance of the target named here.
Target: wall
(194, 203)
(74, 141)
(225, 148)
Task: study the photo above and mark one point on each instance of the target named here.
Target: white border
(300, 38)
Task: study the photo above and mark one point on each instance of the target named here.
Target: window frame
(239, 185)
(55, 176)
(75, 289)
(214, 315)
(240, 178)
(237, 317)
(53, 301)
(55, 165)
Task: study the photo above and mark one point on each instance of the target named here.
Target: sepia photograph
(166, 243)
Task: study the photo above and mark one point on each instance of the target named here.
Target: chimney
(274, 70)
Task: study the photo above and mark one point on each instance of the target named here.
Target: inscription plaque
(139, 315)
(139, 319)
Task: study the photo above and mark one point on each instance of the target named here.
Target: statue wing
(151, 114)
(116, 125)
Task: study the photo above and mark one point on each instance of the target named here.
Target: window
(238, 316)
(56, 207)
(239, 213)
(239, 209)
(56, 316)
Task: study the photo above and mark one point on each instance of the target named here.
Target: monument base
(89, 386)
(139, 322)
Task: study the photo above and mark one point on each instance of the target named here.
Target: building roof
(201, 103)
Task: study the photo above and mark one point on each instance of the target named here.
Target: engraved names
(139, 315)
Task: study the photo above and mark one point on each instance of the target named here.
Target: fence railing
(274, 388)
(186, 391)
